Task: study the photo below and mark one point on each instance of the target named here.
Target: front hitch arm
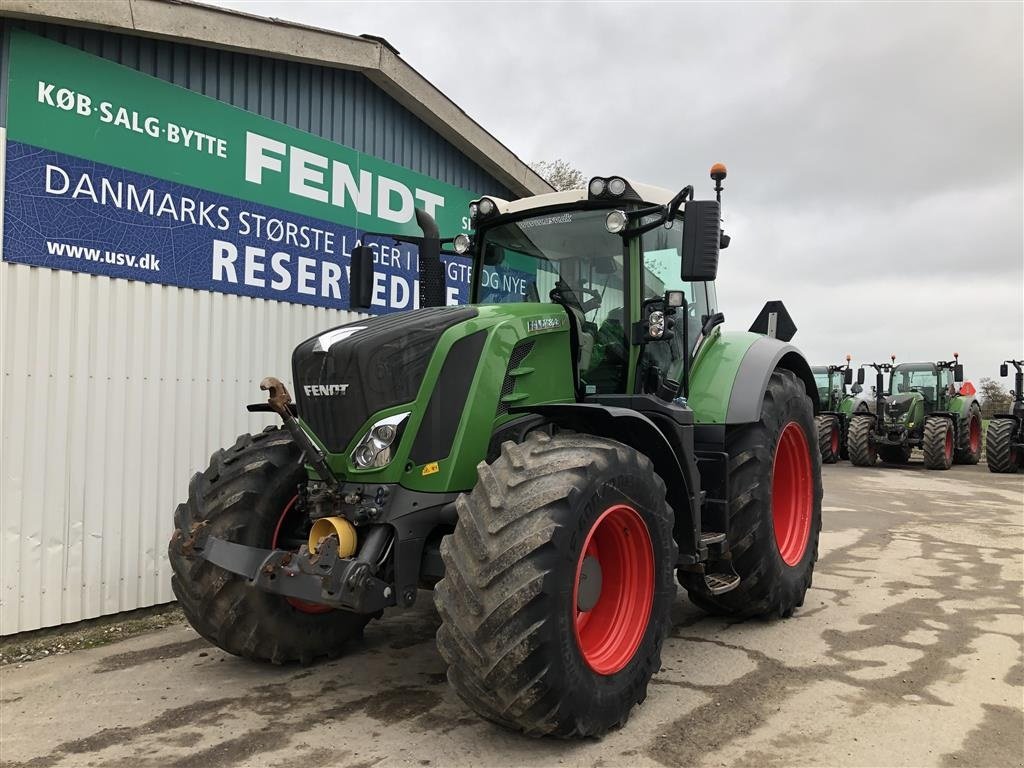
(280, 402)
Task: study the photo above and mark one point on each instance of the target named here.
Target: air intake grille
(519, 354)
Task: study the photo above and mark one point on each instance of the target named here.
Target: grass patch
(91, 633)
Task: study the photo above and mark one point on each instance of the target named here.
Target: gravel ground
(907, 652)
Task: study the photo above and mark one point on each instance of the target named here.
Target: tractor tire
(968, 449)
(1000, 453)
(863, 452)
(775, 507)
(247, 496)
(830, 439)
(528, 641)
(895, 454)
(938, 442)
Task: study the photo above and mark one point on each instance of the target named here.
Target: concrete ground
(907, 652)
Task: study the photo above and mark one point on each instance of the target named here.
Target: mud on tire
(241, 497)
(507, 601)
(768, 585)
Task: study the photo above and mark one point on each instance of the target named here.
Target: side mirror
(860, 377)
(432, 284)
(702, 230)
(1004, 370)
(857, 389)
(958, 373)
(360, 278)
(848, 376)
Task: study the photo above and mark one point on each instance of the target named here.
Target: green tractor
(837, 407)
(923, 409)
(549, 460)
(1004, 439)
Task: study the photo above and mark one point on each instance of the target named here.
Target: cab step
(718, 583)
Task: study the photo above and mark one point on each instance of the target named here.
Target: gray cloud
(875, 150)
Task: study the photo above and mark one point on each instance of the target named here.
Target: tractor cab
(832, 382)
(613, 258)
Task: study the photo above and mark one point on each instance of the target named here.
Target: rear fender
(638, 431)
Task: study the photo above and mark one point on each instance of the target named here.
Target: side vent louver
(514, 370)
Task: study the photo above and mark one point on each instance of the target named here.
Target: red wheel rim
(949, 443)
(609, 633)
(975, 435)
(835, 441)
(792, 494)
(299, 605)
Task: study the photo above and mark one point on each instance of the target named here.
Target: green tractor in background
(1004, 439)
(837, 407)
(923, 409)
(549, 460)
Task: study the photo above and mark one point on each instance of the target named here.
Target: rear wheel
(248, 495)
(558, 585)
(968, 449)
(1000, 453)
(775, 506)
(938, 442)
(829, 438)
(862, 448)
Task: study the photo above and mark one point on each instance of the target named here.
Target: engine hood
(345, 374)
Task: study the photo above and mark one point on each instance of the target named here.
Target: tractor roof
(646, 193)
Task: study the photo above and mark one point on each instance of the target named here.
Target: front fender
(731, 373)
(638, 431)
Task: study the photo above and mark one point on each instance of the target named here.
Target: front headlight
(376, 449)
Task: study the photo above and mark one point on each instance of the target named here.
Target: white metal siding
(114, 394)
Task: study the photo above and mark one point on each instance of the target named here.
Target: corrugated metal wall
(115, 392)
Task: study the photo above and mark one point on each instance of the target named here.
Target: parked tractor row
(926, 405)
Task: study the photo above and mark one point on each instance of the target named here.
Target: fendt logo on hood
(324, 390)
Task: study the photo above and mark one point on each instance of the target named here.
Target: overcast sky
(876, 170)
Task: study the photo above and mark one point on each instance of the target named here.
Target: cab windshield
(914, 378)
(569, 252)
(821, 382)
(571, 257)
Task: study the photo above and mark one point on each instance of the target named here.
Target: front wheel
(968, 449)
(248, 495)
(937, 443)
(863, 452)
(829, 438)
(558, 585)
(1000, 452)
(774, 506)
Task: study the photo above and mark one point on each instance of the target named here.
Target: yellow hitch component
(338, 526)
